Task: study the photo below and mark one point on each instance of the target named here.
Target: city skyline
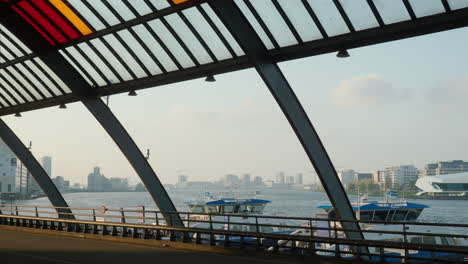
(371, 103)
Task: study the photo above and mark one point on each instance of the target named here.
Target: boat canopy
(374, 205)
(229, 201)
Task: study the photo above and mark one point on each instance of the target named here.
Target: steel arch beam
(37, 172)
(291, 107)
(80, 88)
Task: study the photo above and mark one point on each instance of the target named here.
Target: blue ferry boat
(381, 210)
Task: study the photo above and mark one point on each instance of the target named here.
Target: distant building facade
(97, 182)
(346, 176)
(401, 176)
(46, 163)
(9, 176)
(280, 178)
(445, 186)
(299, 178)
(444, 167)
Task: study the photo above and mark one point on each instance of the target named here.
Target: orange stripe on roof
(71, 16)
(179, 1)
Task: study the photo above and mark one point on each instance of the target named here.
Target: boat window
(258, 208)
(428, 240)
(196, 209)
(210, 209)
(266, 229)
(400, 215)
(236, 208)
(243, 208)
(365, 216)
(381, 215)
(228, 209)
(416, 240)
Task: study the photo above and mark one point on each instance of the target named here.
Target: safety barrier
(288, 235)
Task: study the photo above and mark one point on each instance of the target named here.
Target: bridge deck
(40, 246)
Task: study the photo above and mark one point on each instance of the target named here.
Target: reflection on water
(284, 202)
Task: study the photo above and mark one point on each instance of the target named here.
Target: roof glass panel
(329, 16)
(427, 7)
(141, 7)
(172, 44)
(37, 83)
(76, 67)
(103, 11)
(14, 39)
(122, 9)
(392, 11)
(457, 4)
(6, 55)
(96, 77)
(125, 55)
(96, 60)
(207, 33)
(5, 41)
(23, 83)
(275, 22)
(160, 4)
(113, 61)
(224, 31)
(3, 102)
(140, 52)
(301, 20)
(43, 77)
(360, 14)
(254, 23)
(189, 38)
(12, 76)
(84, 11)
(155, 48)
(5, 82)
(53, 75)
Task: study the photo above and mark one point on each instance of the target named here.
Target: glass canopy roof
(114, 44)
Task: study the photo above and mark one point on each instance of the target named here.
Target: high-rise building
(290, 179)
(299, 179)
(97, 182)
(401, 176)
(359, 176)
(444, 167)
(62, 185)
(280, 178)
(346, 176)
(8, 170)
(380, 178)
(46, 163)
(258, 181)
(231, 180)
(245, 179)
(182, 178)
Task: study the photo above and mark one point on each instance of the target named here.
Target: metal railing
(402, 241)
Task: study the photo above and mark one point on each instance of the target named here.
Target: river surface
(284, 202)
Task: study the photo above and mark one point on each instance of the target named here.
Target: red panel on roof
(42, 21)
(33, 25)
(56, 18)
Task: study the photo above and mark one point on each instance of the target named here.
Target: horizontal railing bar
(338, 241)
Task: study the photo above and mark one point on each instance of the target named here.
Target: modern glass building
(448, 186)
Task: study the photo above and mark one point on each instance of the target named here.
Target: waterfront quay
(19, 245)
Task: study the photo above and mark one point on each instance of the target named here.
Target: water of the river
(284, 202)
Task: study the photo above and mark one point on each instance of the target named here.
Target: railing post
(37, 213)
(312, 243)
(337, 246)
(16, 209)
(405, 240)
(122, 213)
(188, 220)
(94, 215)
(157, 218)
(212, 242)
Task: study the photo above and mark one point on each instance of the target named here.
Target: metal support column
(291, 107)
(37, 172)
(133, 154)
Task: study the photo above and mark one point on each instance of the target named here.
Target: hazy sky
(397, 103)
